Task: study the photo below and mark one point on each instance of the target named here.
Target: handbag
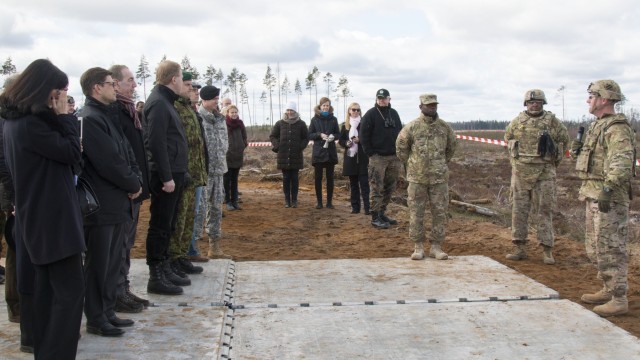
(87, 198)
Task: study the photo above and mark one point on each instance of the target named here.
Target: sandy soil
(265, 230)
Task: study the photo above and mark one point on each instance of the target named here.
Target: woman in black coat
(42, 146)
(324, 131)
(356, 162)
(289, 139)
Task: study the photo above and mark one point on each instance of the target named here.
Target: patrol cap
(382, 93)
(209, 92)
(195, 85)
(426, 99)
(534, 94)
(607, 89)
(186, 76)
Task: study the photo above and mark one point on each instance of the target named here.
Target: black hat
(209, 92)
(382, 93)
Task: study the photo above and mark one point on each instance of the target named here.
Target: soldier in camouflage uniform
(181, 237)
(425, 146)
(215, 129)
(605, 163)
(537, 141)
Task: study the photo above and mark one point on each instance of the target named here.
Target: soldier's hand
(604, 201)
(576, 146)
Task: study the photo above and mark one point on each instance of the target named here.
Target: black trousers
(26, 278)
(129, 240)
(11, 294)
(163, 209)
(290, 184)
(359, 185)
(318, 180)
(102, 270)
(230, 180)
(57, 308)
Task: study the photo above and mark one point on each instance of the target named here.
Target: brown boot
(601, 297)
(617, 306)
(436, 252)
(547, 257)
(519, 254)
(214, 250)
(418, 252)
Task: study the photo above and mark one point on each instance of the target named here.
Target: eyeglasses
(356, 110)
(112, 83)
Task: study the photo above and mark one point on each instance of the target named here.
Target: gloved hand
(576, 146)
(604, 201)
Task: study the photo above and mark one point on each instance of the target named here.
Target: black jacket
(136, 140)
(164, 134)
(379, 129)
(40, 151)
(353, 166)
(289, 141)
(6, 200)
(327, 125)
(109, 163)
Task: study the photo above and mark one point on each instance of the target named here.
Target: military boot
(158, 284)
(377, 222)
(547, 256)
(436, 252)
(617, 306)
(172, 277)
(418, 252)
(214, 250)
(519, 254)
(601, 297)
(387, 219)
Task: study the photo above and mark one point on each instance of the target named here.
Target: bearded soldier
(605, 163)
(536, 140)
(425, 146)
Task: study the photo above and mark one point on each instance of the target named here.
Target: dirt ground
(265, 230)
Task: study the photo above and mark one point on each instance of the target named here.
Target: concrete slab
(159, 333)
(480, 330)
(349, 281)
(212, 287)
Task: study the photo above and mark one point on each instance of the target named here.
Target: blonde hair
(166, 70)
(347, 121)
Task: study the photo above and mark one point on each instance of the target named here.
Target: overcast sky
(479, 57)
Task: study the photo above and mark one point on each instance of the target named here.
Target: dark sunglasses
(356, 110)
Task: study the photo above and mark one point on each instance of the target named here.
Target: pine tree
(142, 74)
(8, 68)
(269, 82)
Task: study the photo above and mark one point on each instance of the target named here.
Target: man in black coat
(109, 166)
(380, 128)
(131, 125)
(167, 153)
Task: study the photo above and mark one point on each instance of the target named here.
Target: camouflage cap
(534, 94)
(607, 89)
(426, 99)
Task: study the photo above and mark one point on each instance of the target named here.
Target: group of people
(173, 149)
(377, 146)
(183, 152)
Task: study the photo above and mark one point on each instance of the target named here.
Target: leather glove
(576, 146)
(604, 201)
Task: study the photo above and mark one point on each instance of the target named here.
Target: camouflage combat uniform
(533, 176)
(215, 129)
(606, 159)
(425, 146)
(181, 237)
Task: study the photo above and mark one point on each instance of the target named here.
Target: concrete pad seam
(393, 302)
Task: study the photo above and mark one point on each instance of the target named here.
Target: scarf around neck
(353, 131)
(233, 123)
(131, 109)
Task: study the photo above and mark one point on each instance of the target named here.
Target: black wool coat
(289, 141)
(324, 125)
(353, 166)
(136, 140)
(40, 151)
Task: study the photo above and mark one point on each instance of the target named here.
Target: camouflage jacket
(215, 131)
(425, 146)
(607, 158)
(197, 163)
(523, 135)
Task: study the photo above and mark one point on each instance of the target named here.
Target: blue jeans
(198, 223)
